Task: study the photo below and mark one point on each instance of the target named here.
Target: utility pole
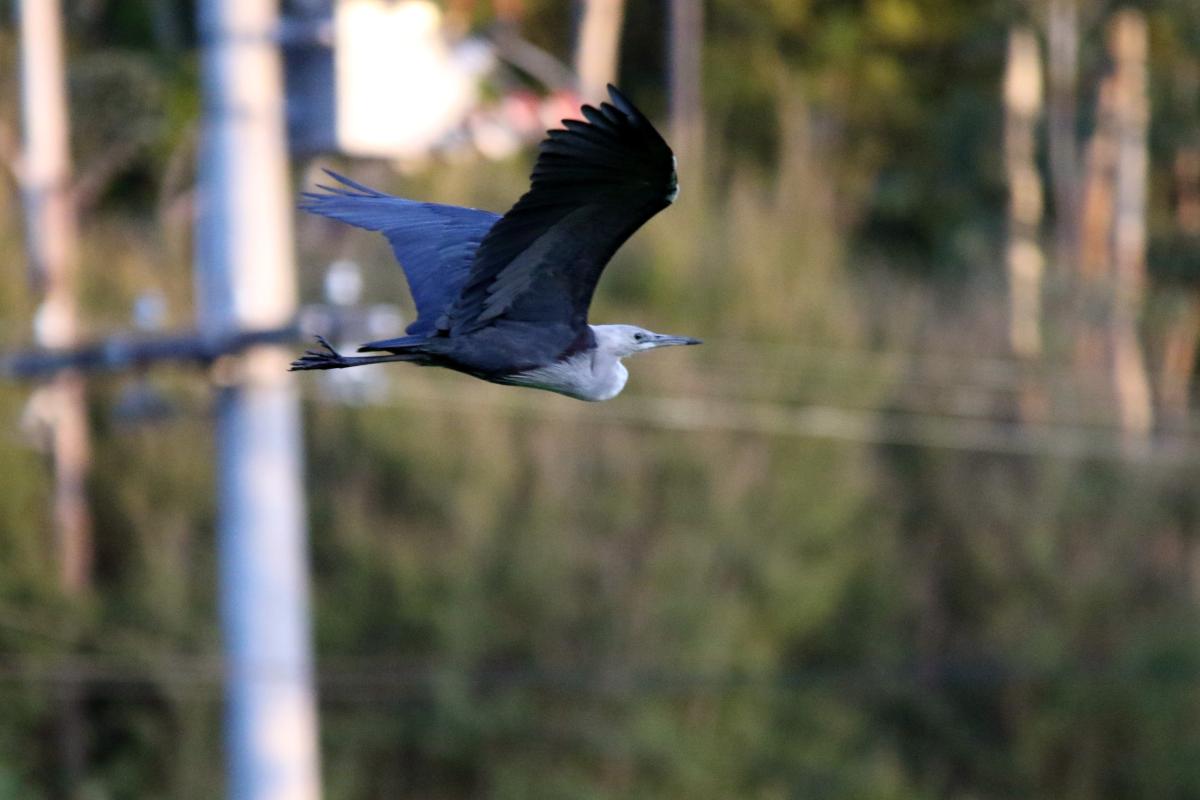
(51, 242)
(246, 281)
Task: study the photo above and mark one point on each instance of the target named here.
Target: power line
(1001, 365)
(733, 355)
(919, 386)
(374, 678)
(940, 431)
(908, 420)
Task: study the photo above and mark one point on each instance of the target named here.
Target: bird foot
(325, 358)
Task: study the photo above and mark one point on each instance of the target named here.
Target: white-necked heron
(506, 298)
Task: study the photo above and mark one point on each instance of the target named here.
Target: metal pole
(246, 281)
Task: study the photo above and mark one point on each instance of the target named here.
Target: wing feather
(435, 244)
(595, 182)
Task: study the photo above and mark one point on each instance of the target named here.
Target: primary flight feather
(506, 298)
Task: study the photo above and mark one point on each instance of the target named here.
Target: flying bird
(505, 298)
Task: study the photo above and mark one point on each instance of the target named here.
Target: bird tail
(404, 344)
(328, 358)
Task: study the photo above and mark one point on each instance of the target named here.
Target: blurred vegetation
(535, 598)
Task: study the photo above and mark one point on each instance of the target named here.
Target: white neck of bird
(608, 373)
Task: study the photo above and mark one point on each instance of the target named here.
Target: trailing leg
(328, 358)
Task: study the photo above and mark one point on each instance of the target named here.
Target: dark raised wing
(594, 184)
(435, 244)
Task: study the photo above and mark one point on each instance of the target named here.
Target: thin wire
(898, 394)
(371, 679)
(941, 431)
(892, 370)
(1001, 366)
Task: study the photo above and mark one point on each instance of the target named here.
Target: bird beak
(663, 340)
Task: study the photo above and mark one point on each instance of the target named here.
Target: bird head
(625, 340)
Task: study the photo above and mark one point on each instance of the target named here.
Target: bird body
(593, 374)
(506, 298)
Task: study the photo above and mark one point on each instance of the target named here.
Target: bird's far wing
(435, 244)
(594, 184)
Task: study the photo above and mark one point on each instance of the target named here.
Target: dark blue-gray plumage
(506, 298)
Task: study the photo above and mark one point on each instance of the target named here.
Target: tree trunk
(1023, 105)
(598, 47)
(52, 243)
(1091, 312)
(685, 69)
(1187, 189)
(51, 235)
(1112, 245)
(1183, 334)
(1129, 44)
(1179, 361)
(1062, 35)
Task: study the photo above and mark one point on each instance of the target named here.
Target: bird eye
(637, 337)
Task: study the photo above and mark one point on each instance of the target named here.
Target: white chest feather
(584, 376)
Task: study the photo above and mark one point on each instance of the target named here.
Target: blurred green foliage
(518, 604)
